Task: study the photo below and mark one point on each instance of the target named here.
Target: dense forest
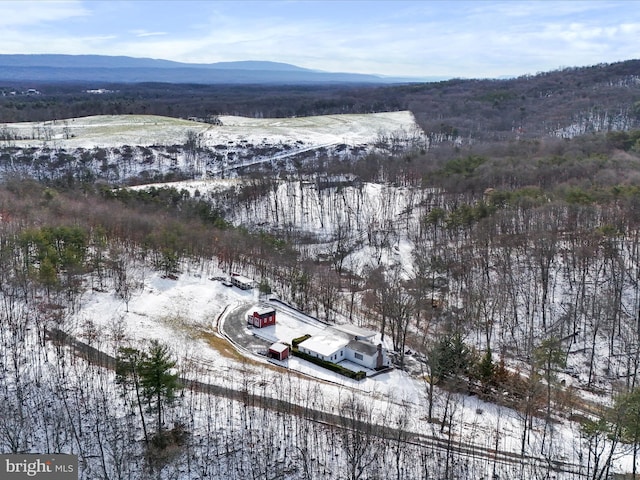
(502, 262)
(562, 103)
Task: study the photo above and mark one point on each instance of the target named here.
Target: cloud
(27, 13)
(15, 42)
(144, 33)
(462, 38)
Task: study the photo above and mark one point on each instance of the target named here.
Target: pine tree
(486, 369)
(549, 356)
(627, 407)
(450, 357)
(158, 380)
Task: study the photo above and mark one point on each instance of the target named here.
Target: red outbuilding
(262, 317)
(279, 351)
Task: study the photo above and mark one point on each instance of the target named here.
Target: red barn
(262, 317)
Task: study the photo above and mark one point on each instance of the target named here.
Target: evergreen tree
(450, 357)
(548, 357)
(158, 380)
(627, 407)
(486, 369)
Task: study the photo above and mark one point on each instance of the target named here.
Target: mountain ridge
(123, 61)
(64, 68)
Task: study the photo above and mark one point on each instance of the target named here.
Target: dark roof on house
(363, 347)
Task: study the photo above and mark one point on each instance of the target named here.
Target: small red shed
(279, 351)
(262, 317)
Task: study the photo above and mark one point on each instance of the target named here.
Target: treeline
(61, 101)
(590, 162)
(587, 162)
(563, 103)
(61, 232)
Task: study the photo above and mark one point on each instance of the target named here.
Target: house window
(341, 353)
(358, 355)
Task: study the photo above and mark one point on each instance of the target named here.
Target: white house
(327, 345)
(346, 342)
(366, 354)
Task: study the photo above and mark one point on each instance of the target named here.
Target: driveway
(235, 329)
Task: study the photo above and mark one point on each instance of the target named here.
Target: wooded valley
(499, 257)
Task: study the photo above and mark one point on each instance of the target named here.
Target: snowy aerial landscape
(451, 307)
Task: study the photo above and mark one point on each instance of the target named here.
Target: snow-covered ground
(145, 130)
(287, 327)
(179, 309)
(174, 311)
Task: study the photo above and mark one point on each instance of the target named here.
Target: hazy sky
(410, 38)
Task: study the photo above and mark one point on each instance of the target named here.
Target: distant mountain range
(120, 69)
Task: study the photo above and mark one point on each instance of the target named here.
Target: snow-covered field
(110, 131)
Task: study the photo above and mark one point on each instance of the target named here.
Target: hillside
(562, 103)
(500, 269)
(111, 131)
(143, 148)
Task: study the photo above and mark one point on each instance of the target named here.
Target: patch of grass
(223, 346)
(180, 324)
